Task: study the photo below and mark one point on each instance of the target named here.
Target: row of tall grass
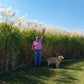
(16, 50)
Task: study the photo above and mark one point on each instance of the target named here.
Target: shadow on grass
(29, 75)
(39, 75)
(73, 64)
(65, 77)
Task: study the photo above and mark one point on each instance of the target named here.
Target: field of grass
(70, 72)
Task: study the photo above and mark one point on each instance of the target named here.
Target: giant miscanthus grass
(52, 29)
(11, 16)
(8, 15)
(15, 45)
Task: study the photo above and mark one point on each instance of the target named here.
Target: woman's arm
(42, 35)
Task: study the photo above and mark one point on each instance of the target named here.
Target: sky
(68, 14)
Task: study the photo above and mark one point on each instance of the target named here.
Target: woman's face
(37, 39)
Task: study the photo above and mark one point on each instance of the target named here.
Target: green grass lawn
(70, 72)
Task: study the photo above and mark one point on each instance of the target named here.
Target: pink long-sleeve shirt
(37, 44)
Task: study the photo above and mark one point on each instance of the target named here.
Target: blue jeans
(37, 55)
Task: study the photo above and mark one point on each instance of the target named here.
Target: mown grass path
(70, 72)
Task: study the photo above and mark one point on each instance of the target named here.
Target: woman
(36, 47)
